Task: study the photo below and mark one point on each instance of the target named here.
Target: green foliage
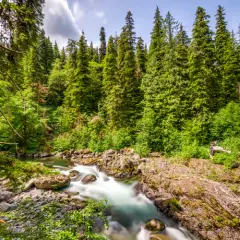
(226, 123)
(45, 225)
(225, 158)
(19, 172)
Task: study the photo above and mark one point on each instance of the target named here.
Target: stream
(129, 211)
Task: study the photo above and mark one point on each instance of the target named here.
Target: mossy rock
(155, 225)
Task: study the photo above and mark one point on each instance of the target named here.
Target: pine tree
(141, 58)
(102, 49)
(171, 28)
(227, 59)
(127, 94)
(202, 66)
(56, 53)
(63, 58)
(91, 51)
(110, 80)
(79, 92)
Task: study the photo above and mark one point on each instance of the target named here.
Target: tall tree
(103, 44)
(91, 51)
(63, 58)
(78, 94)
(56, 53)
(110, 80)
(227, 59)
(127, 94)
(171, 28)
(141, 57)
(202, 66)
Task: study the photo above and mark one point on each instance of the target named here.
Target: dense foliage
(51, 222)
(176, 96)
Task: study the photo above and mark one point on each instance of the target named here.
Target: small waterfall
(129, 210)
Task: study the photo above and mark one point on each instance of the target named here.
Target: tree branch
(8, 49)
(14, 130)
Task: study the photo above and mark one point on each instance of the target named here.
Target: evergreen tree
(63, 58)
(79, 91)
(227, 59)
(127, 94)
(102, 49)
(141, 57)
(56, 53)
(110, 80)
(91, 52)
(202, 66)
(171, 28)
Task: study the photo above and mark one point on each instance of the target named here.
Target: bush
(192, 151)
(226, 123)
(225, 158)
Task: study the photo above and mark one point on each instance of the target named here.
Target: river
(129, 211)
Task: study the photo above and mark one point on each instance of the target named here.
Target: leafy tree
(103, 44)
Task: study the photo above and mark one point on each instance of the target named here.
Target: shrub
(226, 123)
(225, 158)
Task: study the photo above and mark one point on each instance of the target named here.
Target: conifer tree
(141, 57)
(127, 94)
(110, 81)
(79, 93)
(202, 66)
(171, 28)
(91, 51)
(102, 49)
(227, 59)
(56, 53)
(63, 58)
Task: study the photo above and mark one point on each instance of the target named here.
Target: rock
(45, 155)
(74, 175)
(4, 206)
(156, 154)
(71, 193)
(52, 182)
(89, 178)
(235, 165)
(155, 225)
(5, 195)
(159, 237)
(29, 185)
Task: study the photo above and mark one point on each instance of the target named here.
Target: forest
(175, 96)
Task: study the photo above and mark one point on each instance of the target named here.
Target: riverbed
(129, 210)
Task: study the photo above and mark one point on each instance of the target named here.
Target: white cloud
(60, 22)
(78, 12)
(100, 14)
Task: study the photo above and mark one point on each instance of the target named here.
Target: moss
(174, 204)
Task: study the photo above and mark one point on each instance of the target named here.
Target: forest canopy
(174, 96)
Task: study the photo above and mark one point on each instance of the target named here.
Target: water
(129, 210)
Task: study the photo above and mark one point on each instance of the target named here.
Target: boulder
(74, 175)
(4, 206)
(155, 225)
(52, 182)
(5, 195)
(29, 185)
(89, 178)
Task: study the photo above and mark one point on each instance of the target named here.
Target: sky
(66, 19)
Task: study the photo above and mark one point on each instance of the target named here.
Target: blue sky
(67, 18)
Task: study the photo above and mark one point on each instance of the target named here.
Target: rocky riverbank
(203, 197)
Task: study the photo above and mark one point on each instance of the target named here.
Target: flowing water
(129, 210)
